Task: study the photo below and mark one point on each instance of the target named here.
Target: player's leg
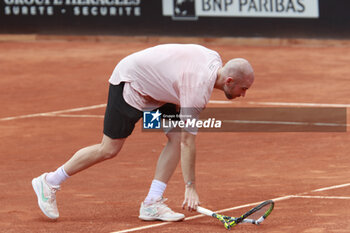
(154, 208)
(167, 163)
(46, 185)
(169, 158)
(119, 122)
(92, 155)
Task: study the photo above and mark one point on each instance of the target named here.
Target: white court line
(55, 113)
(322, 197)
(79, 116)
(143, 227)
(331, 187)
(221, 102)
(284, 104)
(236, 207)
(301, 104)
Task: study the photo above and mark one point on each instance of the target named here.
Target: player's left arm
(188, 162)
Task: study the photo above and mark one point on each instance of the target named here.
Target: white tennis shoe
(46, 196)
(159, 211)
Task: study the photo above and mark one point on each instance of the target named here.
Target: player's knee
(174, 137)
(108, 153)
(109, 148)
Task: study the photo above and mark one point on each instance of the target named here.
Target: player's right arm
(188, 162)
(193, 99)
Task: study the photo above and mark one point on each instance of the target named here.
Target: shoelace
(52, 195)
(162, 206)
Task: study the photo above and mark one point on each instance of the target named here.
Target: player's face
(234, 90)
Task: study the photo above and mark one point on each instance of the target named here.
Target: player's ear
(229, 80)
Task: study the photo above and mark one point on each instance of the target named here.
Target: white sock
(57, 177)
(155, 192)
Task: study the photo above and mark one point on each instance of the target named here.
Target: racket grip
(260, 220)
(204, 211)
(256, 222)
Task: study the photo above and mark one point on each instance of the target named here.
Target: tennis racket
(255, 216)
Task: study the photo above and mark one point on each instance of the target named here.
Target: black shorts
(120, 118)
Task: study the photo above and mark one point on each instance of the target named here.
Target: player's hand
(191, 199)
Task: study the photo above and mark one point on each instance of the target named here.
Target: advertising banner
(204, 18)
(71, 8)
(192, 9)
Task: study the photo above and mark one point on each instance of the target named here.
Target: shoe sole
(37, 192)
(147, 218)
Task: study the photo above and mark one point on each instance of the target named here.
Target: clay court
(53, 95)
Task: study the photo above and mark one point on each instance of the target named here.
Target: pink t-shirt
(171, 73)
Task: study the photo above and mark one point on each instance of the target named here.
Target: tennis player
(163, 77)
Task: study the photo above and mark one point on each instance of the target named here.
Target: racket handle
(260, 220)
(204, 211)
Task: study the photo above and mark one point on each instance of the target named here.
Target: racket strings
(260, 213)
